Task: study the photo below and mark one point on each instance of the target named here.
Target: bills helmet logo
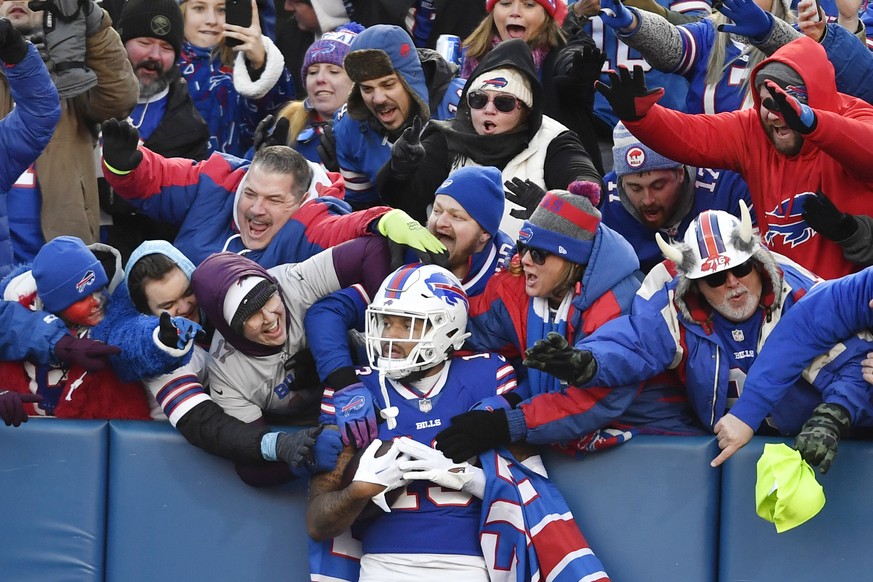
(524, 235)
(635, 157)
(87, 279)
(496, 83)
(446, 290)
(786, 221)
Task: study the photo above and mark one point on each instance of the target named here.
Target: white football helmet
(714, 241)
(436, 304)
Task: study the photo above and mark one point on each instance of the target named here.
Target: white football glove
(429, 464)
(384, 470)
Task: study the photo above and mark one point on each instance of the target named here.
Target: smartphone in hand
(239, 13)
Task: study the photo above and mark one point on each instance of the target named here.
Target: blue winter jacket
(25, 132)
(826, 321)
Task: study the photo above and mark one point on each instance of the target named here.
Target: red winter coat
(836, 157)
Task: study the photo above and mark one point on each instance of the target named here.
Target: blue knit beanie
(66, 271)
(479, 189)
(630, 156)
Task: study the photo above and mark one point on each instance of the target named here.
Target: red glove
(628, 95)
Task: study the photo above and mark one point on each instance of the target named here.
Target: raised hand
(628, 96)
(279, 136)
(524, 193)
(748, 18)
(796, 115)
(407, 152)
(121, 153)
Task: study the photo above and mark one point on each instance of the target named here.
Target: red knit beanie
(557, 9)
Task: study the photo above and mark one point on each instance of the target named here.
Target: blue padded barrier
(178, 513)
(649, 508)
(833, 545)
(53, 479)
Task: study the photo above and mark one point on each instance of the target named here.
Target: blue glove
(748, 18)
(323, 455)
(176, 332)
(615, 14)
(355, 415)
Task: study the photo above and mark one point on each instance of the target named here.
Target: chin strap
(389, 413)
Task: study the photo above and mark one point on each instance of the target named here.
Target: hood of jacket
(377, 52)
(613, 262)
(211, 280)
(513, 54)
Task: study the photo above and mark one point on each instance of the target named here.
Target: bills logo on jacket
(786, 220)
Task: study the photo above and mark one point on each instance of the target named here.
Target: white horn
(745, 223)
(669, 250)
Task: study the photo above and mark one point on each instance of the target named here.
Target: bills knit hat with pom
(510, 81)
(161, 19)
(246, 298)
(479, 189)
(557, 9)
(564, 224)
(66, 271)
(331, 48)
(631, 156)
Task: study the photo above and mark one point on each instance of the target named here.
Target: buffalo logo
(524, 235)
(715, 262)
(799, 92)
(325, 50)
(445, 184)
(87, 279)
(786, 221)
(405, 50)
(496, 83)
(446, 290)
(353, 405)
(635, 157)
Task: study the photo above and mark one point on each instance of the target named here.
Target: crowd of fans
(567, 226)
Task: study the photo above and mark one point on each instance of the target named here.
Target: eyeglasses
(538, 256)
(720, 278)
(480, 99)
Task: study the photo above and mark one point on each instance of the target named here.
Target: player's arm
(333, 509)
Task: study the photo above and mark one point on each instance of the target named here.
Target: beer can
(449, 47)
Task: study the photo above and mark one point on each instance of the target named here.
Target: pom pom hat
(66, 271)
(564, 224)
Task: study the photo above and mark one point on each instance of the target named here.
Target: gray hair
(285, 160)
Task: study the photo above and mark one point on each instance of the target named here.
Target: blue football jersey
(427, 518)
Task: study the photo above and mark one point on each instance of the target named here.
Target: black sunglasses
(720, 278)
(538, 256)
(480, 99)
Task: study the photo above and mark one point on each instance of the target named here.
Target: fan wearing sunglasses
(499, 123)
(571, 275)
(704, 315)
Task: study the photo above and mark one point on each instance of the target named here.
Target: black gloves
(821, 214)
(327, 149)
(576, 69)
(555, 356)
(407, 152)
(176, 332)
(12, 45)
(87, 353)
(293, 448)
(524, 193)
(472, 433)
(120, 146)
(279, 136)
(820, 435)
(628, 96)
(12, 408)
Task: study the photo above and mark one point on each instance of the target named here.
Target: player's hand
(628, 95)
(732, 434)
(355, 415)
(427, 464)
(383, 471)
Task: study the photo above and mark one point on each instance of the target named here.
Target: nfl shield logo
(425, 405)
(738, 335)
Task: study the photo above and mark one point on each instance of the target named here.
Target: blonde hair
(480, 41)
(716, 65)
(225, 54)
(297, 116)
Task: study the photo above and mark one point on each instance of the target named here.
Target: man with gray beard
(706, 313)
